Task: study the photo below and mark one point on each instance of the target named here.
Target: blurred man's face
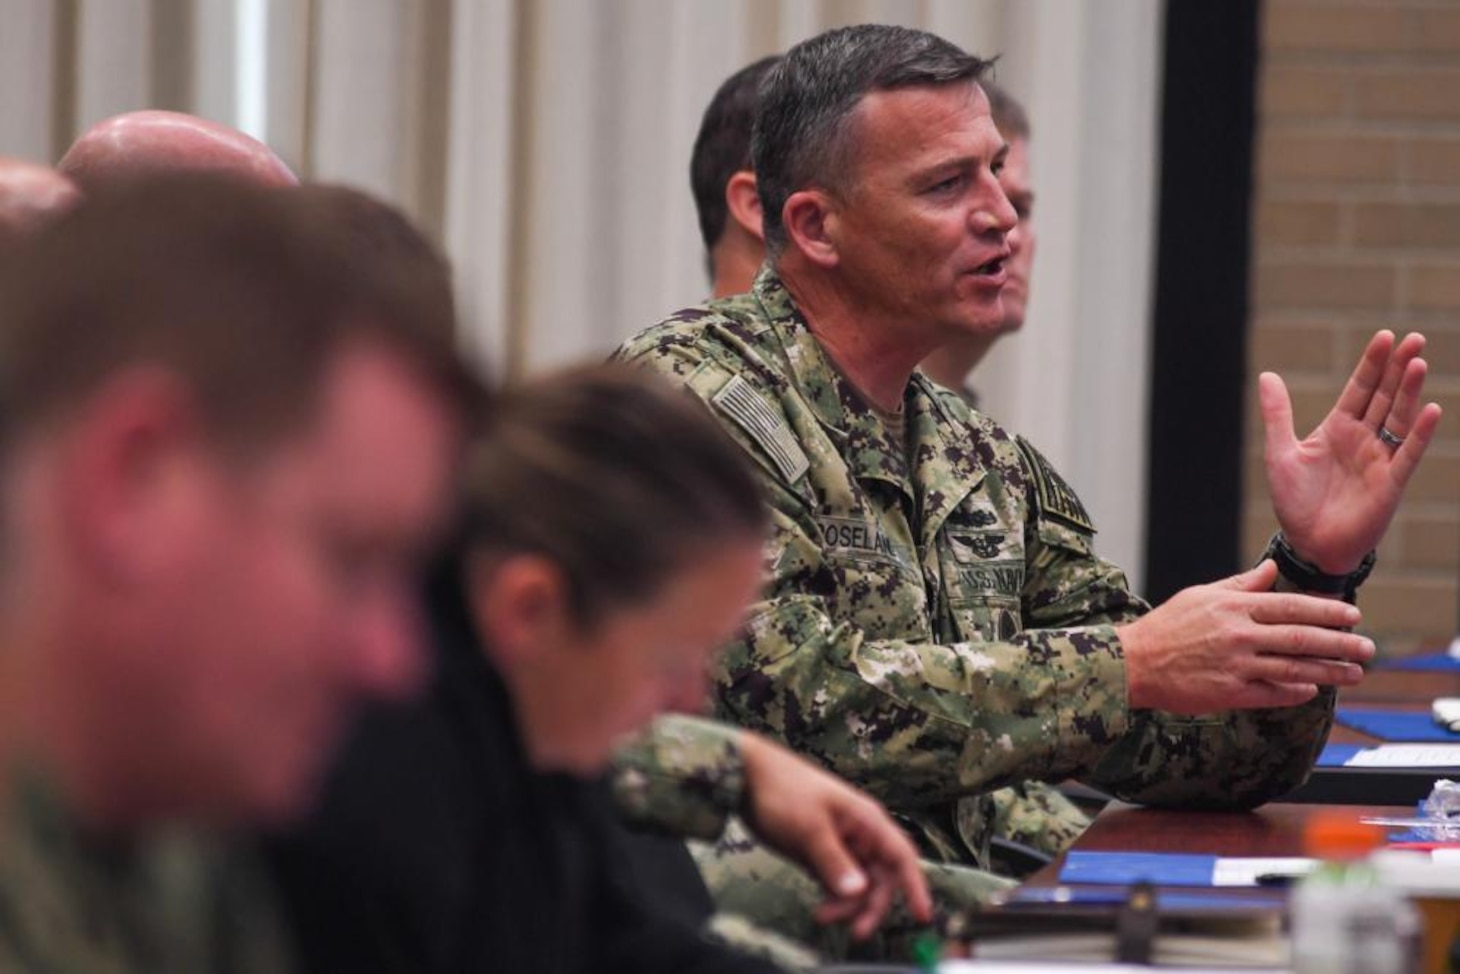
(1015, 180)
(30, 195)
(292, 591)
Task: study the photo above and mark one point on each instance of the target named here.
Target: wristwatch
(1307, 577)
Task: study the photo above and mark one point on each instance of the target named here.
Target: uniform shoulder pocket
(760, 419)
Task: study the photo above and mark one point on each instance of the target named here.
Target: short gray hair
(801, 127)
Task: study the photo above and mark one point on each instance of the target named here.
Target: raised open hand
(1335, 492)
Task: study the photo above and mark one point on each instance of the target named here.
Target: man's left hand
(1336, 491)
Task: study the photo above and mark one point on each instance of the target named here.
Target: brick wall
(1357, 227)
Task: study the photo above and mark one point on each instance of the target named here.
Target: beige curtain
(545, 143)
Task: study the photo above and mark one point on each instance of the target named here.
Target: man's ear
(128, 469)
(810, 218)
(743, 202)
(520, 605)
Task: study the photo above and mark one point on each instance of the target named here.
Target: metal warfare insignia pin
(985, 545)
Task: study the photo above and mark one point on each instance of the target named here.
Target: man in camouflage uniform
(74, 901)
(1030, 813)
(684, 777)
(228, 430)
(938, 624)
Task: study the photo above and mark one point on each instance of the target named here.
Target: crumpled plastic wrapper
(1443, 806)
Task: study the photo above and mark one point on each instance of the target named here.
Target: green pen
(927, 950)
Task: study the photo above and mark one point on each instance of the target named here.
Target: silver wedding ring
(1390, 437)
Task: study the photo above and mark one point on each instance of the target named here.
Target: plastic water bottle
(1344, 920)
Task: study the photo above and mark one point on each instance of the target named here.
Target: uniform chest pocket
(984, 581)
(877, 594)
(982, 618)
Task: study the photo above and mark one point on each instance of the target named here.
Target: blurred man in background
(228, 434)
(723, 182)
(118, 150)
(30, 195)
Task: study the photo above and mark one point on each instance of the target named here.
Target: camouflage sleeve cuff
(1092, 709)
(1235, 760)
(683, 776)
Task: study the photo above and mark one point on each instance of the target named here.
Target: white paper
(1407, 756)
(1244, 870)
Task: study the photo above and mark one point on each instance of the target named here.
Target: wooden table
(1272, 830)
(1393, 687)
(1387, 690)
(1343, 734)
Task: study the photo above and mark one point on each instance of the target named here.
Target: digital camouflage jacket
(937, 623)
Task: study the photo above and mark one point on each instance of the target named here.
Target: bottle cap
(1339, 835)
(927, 949)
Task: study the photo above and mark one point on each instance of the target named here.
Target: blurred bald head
(30, 194)
(123, 148)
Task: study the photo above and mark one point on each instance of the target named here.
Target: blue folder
(1396, 725)
(1336, 755)
(1441, 661)
(1124, 868)
(1037, 896)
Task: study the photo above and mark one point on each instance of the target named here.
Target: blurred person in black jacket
(610, 541)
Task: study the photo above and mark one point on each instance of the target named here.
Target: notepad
(1438, 756)
(1407, 756)
(1441, 661)
(1176, 868)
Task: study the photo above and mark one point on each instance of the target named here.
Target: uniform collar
(945, 468)
(860, 435)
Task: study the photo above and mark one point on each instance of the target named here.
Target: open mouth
(992, 267)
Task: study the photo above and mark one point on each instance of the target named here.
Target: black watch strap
(1307, 577)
